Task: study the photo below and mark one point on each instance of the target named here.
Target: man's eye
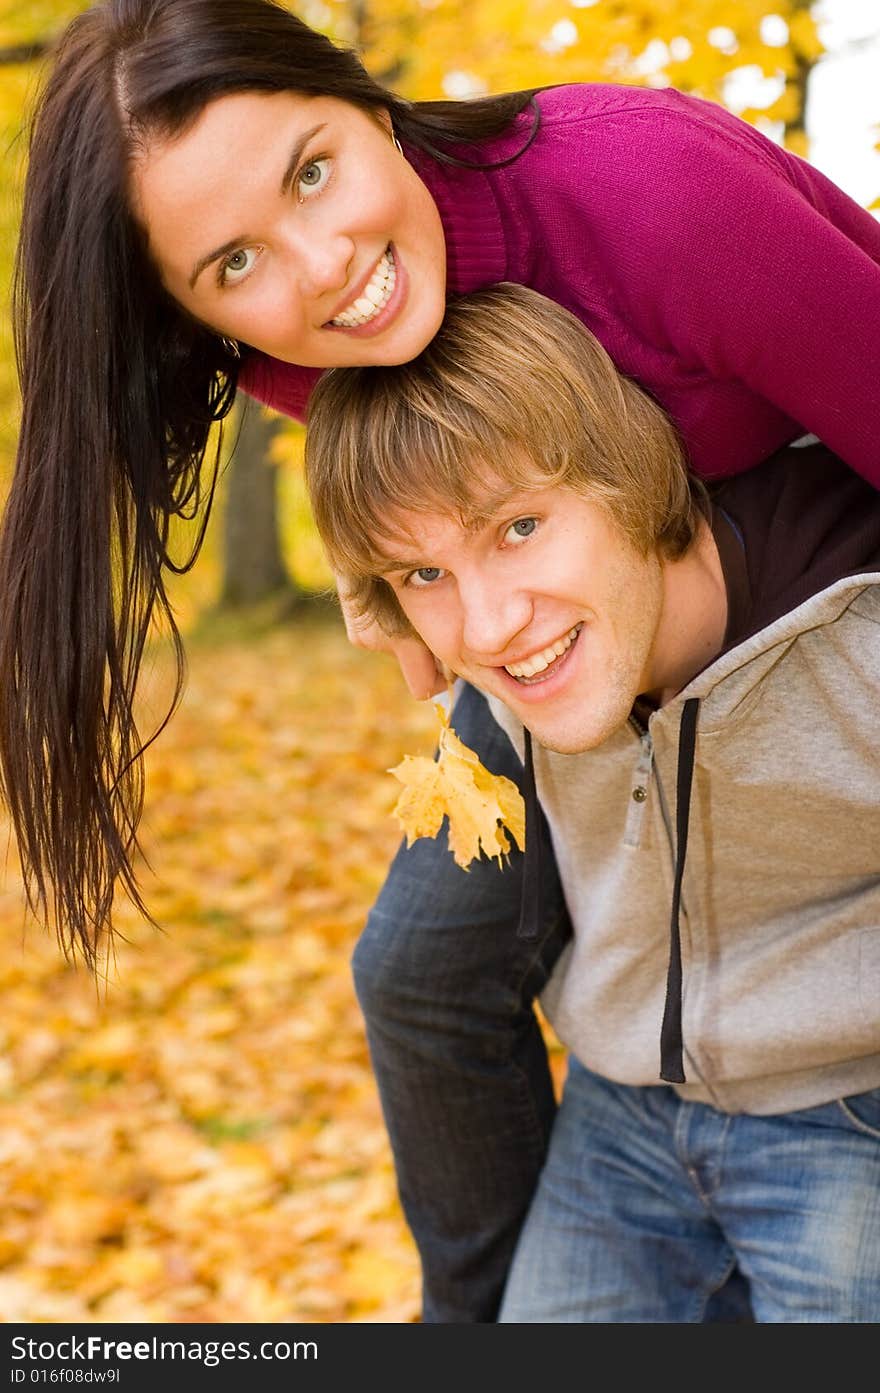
(313, 176)
(522, 528)
(425, 575)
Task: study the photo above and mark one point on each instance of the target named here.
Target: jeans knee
(415, 983)
(373, 967)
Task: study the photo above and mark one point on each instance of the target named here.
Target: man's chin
(562, 745)
(565, 738)
(563, 734)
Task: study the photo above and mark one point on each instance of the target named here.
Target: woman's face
(294, 224)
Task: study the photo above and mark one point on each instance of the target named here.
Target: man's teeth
(375, 296)
(538, 662)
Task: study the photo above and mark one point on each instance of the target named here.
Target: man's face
(547, 605)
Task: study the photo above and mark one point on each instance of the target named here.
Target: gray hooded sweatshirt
(721, 859)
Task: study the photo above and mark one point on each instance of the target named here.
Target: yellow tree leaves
(34, 21)
(478, 805)
(803, 34)
(469, 47)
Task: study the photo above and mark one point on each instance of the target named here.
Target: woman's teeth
(375, 296)
(539, 662)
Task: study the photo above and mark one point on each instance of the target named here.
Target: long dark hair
(120, 390)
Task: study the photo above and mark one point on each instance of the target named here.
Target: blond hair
(513, 391)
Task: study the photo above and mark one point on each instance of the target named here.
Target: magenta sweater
(730, 278)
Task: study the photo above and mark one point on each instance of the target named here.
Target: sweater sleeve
(751, 265)
(284, 387)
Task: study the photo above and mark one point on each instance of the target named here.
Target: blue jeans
(652, 1210)
(446, 988)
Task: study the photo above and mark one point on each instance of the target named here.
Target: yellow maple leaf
(478, 805)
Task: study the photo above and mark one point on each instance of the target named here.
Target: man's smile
(536, 667)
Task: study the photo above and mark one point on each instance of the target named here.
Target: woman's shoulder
(584, 101)
(618, 113)
(630, 137)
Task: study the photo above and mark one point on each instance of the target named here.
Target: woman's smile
(370, 298)
(378, 303)
(324, 248)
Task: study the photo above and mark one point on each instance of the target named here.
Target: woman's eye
(519, 530)
(313, 176)
(238, 265)
(425, 575)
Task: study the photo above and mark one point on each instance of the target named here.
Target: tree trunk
(253, 567)
(24, 53)
(795, 137)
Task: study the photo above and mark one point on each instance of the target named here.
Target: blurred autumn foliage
(198, 1138)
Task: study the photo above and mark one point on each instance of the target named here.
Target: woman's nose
(322, 263)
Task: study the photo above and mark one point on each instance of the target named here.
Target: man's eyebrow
(390, 565)
(487, 514)
(493, 504)
(286, 179)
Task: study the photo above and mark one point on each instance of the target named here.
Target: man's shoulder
(805, 520)
(802, 478)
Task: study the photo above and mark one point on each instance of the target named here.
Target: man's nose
(493, 618)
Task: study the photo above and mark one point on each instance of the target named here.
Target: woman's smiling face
(294, 224)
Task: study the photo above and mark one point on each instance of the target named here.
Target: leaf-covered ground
(198, 1138)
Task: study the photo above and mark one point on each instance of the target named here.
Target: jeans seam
(725, 1277)
(681, 1126)
(538, 1140)
(535, 959)
(720, 1145)
(536, 1137)
(857, 1121)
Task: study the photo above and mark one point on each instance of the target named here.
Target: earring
(396, 141)
(231, 346)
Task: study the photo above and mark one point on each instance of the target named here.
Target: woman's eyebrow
(287, 177)
(296, 155)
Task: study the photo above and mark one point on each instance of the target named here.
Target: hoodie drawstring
(530, 899)
(671, 1043)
